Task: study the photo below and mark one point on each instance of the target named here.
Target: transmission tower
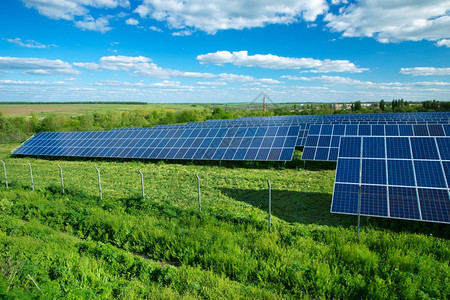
(264, 100)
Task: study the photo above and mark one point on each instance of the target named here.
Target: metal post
(270, 204)
(142, 184)
(199, 197)
(31, 174)
(99, 184)
(4, 171)
(62, 178)
(359, 212)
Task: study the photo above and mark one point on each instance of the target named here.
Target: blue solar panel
(374, 147)
(345, 198)
(424, 148)
(398, 185)
(434, 204)
(309, 153)
(266, 143)
(322, 153)
(398, 147)
(429, 174)
(401, 173)
(444, 148)
(348, 170)
(350, 147)
(374, 200)
(403, 203)
(373, 171)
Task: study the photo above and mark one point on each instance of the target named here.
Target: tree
(382, 105)
(356, 106)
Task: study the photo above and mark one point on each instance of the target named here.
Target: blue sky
(173, 51)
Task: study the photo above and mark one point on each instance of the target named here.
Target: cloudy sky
(162, 51)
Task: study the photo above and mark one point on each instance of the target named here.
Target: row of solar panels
(246, 143)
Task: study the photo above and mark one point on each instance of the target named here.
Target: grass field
(69, 110)
(78, 246)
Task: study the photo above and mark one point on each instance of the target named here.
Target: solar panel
(323, 140)
(400, 177)
(272, 143)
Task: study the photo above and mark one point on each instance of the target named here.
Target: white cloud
(211, 83)
(68, 9)
(339, 81)
(443, 42)
(138, 66)
(29, 43)
(425, 71)
(234, 78)
(325, 78)
(269, 61)
(116, 63)
(230, 14)
(154, 28)
(37, 66)
(143, 66)
(101, 24)
(132, 21)
(41, 83)
(182, 33)
(393, 21)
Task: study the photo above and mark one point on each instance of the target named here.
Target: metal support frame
(4, 172)
(359, 195)
(142, 184)
(99, 184)
(31, 175)
(62, 178)
(359, 213)
(199, 194)
(270, 205)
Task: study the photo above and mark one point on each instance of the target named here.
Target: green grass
(69, 110)
(78, 246)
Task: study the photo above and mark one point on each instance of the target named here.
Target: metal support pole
(62, 178)
(99, 184)
(199, 197)
(359, 212)
(142, 184)
(4, 171)
(31, 174)
(270, 204)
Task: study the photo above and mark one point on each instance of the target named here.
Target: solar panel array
(234, 143)
(323, 141)
(400, 177)
(398, 164)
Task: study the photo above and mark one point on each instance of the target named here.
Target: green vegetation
(75, 245)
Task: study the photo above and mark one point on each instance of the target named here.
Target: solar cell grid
(398, 185)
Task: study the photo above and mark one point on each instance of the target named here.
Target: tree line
(19, 128)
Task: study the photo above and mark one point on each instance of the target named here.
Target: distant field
(43, 110)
